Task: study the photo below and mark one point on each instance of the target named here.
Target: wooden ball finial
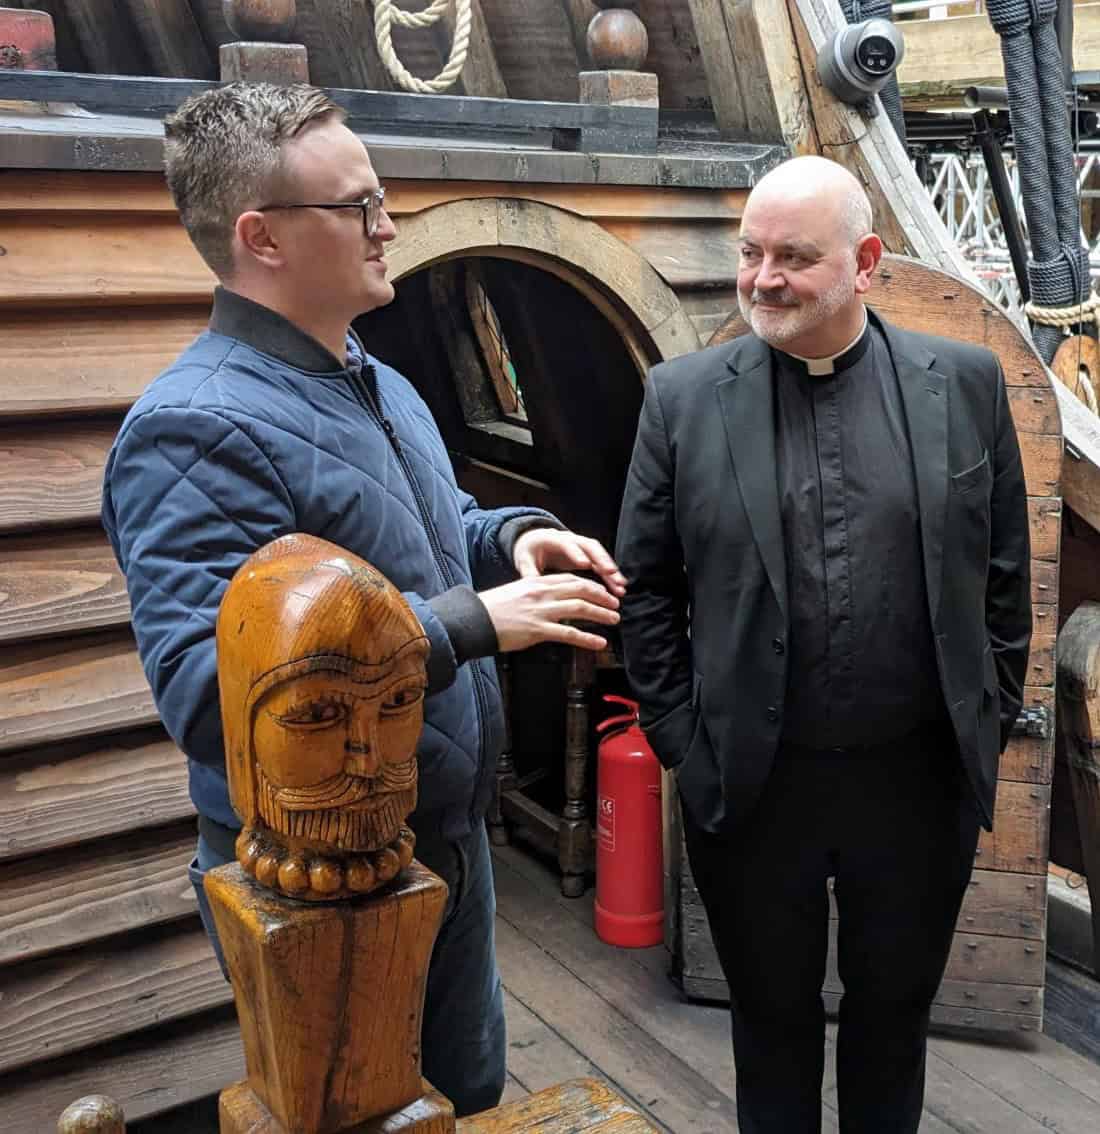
(93, 1114)
(266, 21)
(617, 40)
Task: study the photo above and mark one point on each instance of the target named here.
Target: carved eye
(314, 714)
(402, 699)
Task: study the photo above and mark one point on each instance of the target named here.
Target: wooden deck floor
(578, 1007)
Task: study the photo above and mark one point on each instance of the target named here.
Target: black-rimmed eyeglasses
(372, 205)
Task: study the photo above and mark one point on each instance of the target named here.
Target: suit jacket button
(777, 645)
(772, 714)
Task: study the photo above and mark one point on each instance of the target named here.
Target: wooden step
(158, 1069)
(54, 584)
(86, 893)
(94, 685)
(58, 798)
(88, 360)
(61, 1004)
(52, 474)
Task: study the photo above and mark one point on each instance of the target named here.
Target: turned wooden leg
(574, 831)
(506, 769)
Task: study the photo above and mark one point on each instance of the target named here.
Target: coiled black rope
(1058, 271)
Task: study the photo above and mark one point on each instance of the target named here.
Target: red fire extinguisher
(629, 851)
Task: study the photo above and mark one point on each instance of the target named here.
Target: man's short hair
(223, 156)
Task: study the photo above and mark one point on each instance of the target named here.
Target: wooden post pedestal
(329, 998)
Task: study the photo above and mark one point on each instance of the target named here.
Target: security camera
(859, 58)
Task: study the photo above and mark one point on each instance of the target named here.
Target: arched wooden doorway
(529, 330)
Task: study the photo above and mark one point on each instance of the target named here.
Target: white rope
(386, 14)
(1064, 316)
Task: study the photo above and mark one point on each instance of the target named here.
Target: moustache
(773, 298)
(342, 790)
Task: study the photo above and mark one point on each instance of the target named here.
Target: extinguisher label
(605, 823)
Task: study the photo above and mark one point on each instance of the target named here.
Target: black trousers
(896, 828)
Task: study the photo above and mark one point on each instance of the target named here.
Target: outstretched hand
(548, 549)
(538, 608)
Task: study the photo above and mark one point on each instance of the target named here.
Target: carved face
(333, 750)
(322, 674)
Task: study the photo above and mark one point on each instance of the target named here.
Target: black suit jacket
(705, 618)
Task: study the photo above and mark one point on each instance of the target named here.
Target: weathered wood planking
(119, 259)
(674, 55)
(56, 1005)
(1028, 759)
(522, 32)
(52, 475)
(110, 44)
(50, 694)
(59, 584)
(88, 361)
(1045, 516)
(148, 1073)
(1018, 841)
(55, 798)
(33, 192)
(691, 253)
(95, 890)
(950, 55)
(172, 38)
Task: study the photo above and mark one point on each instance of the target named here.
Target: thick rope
(1064, 316)
(386, 14)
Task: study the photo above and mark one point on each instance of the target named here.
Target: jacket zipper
(374, 411)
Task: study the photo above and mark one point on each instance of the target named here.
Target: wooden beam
(147, 1074)
(754, 74)
(119, 260)
(93, 686)
(523, 32)
(1018, 841)
(60, 798)
(172, 38)
(89, 893)
(88, 360)
(945, 56)
(347, 28)
(54, 585)
(61, 1004)
(51, 475)
(481, 73)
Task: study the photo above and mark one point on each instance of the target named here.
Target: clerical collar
(842, 360)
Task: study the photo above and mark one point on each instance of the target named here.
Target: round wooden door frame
(620, 283)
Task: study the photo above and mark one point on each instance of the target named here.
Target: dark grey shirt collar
(268, 331)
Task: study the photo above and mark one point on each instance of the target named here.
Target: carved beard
(347, 813)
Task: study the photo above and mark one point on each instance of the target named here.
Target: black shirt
(862, 661)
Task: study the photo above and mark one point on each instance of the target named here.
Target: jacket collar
(746, 398)
(266, 330)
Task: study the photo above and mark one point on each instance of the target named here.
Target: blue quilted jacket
(232, 447)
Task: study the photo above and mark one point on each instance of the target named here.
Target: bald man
(825, 539)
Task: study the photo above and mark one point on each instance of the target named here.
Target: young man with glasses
(276, 420)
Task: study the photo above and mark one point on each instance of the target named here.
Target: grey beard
(347, 828)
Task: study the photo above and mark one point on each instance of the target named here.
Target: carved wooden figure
(321, 667)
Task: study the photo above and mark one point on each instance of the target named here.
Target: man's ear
(256, 240)
(868, 255)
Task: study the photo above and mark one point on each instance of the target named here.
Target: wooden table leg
(574, 830)
(506, 768)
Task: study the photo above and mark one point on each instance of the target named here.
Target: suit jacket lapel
(924, 395)
(746, 401)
